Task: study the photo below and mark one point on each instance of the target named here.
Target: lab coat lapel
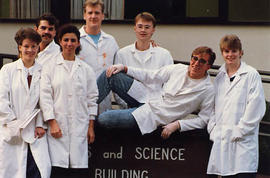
(241, 70)
(75, 66)
(24, 82)
(234, 82)
(35, 77)
(60, 61)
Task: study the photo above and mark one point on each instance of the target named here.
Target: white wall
(180, 40)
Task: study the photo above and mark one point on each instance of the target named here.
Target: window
(165, 11)
(23, 9)
(114, 9)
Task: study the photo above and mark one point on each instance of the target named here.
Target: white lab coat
(239, 107)
(157, 57)
(48, 53)
(70, 98)
(16, 100)
(99, 57)
(174, 100)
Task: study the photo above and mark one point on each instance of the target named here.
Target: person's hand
(169, 129)
(55, 129)
(114, 69)
(236, 135)
(91, 132)
(39, 132)
(154, 44)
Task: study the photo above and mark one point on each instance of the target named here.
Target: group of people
(52, 95)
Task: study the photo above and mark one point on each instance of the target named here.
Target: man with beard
(46, 26)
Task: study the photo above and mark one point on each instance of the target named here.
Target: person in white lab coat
(23, 149)
(239, 107)
(46, 26)
(98, 47)
(68, 94)
(182, 90)
(142, 54)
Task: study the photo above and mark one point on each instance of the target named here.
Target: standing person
(142, 54)
(25, 155)
(98, 47)
(239, 107)
(68, 95)
(181, 90)
(46, 26)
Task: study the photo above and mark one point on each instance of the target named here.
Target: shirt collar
(60, 60)
(133, 49)
(83, 33)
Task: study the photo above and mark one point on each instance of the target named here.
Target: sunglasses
(201, 61)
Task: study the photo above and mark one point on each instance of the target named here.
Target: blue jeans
(119, 83)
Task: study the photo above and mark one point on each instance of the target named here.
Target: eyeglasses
(201, 61)
(141, 26)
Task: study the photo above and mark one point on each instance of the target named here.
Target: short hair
(206, 50)
(230, 42)
(26, 33)
(52, 20)
(93, 3)
(68, 28)
(145, 16)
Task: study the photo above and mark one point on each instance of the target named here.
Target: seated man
(142, 54)
(182, 90)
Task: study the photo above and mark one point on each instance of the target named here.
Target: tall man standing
(98, 47)
(46, 26)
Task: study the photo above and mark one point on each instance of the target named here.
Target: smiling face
(46, 31)
(232, 56)
(28, 50)
(144, 30)
(93, 16)
(69, 43)
(199, 65)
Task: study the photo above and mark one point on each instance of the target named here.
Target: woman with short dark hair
(23, 143)
(68, 101)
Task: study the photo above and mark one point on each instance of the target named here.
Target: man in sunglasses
(182, 90)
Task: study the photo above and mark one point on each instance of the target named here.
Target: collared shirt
(155, 58)
(48, 53)
(99, 56)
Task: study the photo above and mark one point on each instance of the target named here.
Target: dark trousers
(240, 175)
(58, 172)
(31, 167)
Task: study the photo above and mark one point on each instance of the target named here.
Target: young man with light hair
(142, 54)
(98, 47)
